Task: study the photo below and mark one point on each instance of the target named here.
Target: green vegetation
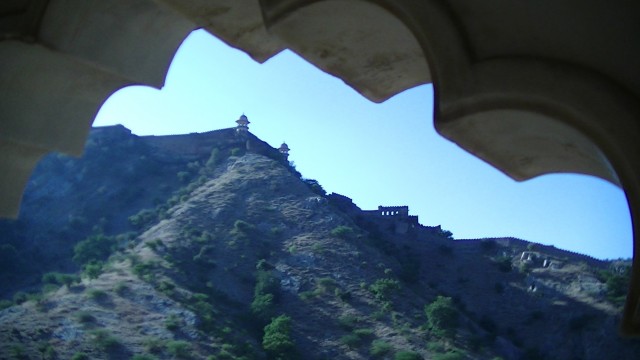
(93, 269)
(80, 356)
(356, 337)
(525, 267)
(407, 355)
(382, 289)
(238, 151)
(343, 232)
(46, 350)
(277, 338)
(94, 248)
(242, 232)
(104, 341)
(265, 296)
(380, 348)
(442, 316)
(451, 355)
(143, 357)
(617, 284)
(144, 218)
(57, 278)
(97, 295)
(173, 322)
(179, 349)
(214, 159)
(202, 307)
(349, 322)
(144, 270)
(153, 345)
(85, 317)
(5, 304)
(17, 352)
(20, 297)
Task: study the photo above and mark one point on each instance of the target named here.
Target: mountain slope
(248, 242)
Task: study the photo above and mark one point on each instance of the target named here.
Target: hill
(222, 251)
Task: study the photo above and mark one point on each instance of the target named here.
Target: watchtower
(243, 124)
(284, 150)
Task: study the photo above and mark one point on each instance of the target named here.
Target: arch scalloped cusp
(52, 89)
(17, 161)
(236, 22)
(363, 44)
(525, 145)
(133, 39)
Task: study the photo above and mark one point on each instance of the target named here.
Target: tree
(93, 269)
(277, 338)
(96, 247)
(442, 316)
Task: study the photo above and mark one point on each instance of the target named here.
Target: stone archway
(530, 87)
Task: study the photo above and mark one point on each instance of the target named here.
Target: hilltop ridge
(224, 252)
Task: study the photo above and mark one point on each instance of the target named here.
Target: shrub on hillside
(265, 296)
(617, 284)
(348, 322)
(143, 218)
(57, 278)
(80, 356)
(93, 269)
(238, 151)
(97, 295)
(383, 288)
(442, 316)
(214, 159)
(179, 349)
(262, 306)
(351, 340)
(343, 232)
(95, 247)
(407, 355)
(380, 348)
(277, 337)
(144, 357)
(5, 304)
(451, 355)
(85, 317)
(242, 230)
(105, 341)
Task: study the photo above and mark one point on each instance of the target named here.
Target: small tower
(243, 124)
(284, 150)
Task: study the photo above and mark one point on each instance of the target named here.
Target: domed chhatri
(243, 124)
(284, 150)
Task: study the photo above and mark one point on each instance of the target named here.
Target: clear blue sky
(377, 154)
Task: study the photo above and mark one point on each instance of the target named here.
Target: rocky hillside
(238, 258)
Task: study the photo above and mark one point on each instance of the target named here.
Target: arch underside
(529, 87)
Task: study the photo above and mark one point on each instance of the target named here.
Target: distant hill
(211, 246)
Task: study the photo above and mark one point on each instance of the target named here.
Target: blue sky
(377, 154)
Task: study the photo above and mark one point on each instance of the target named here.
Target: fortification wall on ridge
(549, 250)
